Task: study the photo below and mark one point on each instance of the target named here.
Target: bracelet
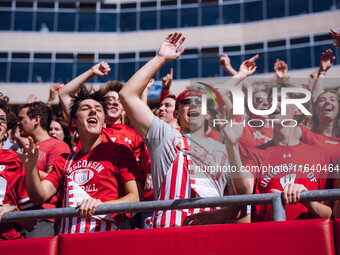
(322, 72)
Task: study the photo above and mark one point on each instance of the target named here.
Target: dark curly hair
(84, 94)
(39, 109)
(4, 105)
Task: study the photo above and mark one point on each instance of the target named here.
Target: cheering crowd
(106, 146)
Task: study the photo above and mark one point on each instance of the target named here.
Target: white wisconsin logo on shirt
(289, 178)
(287, 155)
(127, 140)
(81, 176)
(2, 168)
(113, 139)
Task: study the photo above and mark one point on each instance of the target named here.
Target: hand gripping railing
(275, 199)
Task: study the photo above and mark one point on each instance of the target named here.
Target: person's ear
(176, 114)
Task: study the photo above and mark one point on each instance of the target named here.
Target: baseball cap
(186, 93)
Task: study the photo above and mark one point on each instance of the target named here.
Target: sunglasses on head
(189, 101)
(259, 100)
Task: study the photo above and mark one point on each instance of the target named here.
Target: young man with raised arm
(177, 156)
(101, 173)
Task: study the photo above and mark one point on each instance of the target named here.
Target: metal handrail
(275, 199)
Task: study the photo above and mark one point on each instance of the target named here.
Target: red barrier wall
(36, 246)
(290, 237)
(337, 234)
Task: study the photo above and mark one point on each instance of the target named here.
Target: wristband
(322, 72)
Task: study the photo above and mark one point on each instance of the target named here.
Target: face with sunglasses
(260, 99)
(189, 114)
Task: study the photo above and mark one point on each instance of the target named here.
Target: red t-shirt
(101, 173)
(252, 137)
(12, 190)
(330, 143)
(146, 176)
(125, 135)
(295, 164)
(49, 150)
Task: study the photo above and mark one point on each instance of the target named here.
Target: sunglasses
(259, 100)
(189, 101)
(3, 119)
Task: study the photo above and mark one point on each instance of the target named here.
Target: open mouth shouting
(92, 121)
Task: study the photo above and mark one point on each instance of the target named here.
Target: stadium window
(189, 68)
(300, 58)
(253, 11)
(41, 72)
(210, 15)
(107, 22)
(23, 21)
(83, 66)
(275, 9)
(210, 67)
(5, 20)
(87, 21)
(126, 70)
(127, 21)
(297, 7)
(189, 17)
(148, 20)
(45, 21)
(66, 21)
(63, 72)
(231, 13)
(3, 71)
(19, 72)
(169, 18)
(324, 5)
(273, 55)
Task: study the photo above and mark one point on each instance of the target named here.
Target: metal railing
(275, 199)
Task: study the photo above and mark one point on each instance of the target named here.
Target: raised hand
(169, 49)
(29, 155)
(232, 133)
(248, 67)
(167, 79)
(280, 68)
(54, 91)
(336, 36)
(31, 98)
(150, 84)
(326, 60)
(225, 62)
(101, 69)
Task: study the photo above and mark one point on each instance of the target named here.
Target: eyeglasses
(3, 119)
(260, 100)
(189, 101)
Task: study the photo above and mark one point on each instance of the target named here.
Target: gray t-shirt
(209, 165)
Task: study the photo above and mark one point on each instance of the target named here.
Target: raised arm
(70, 89)
(138, 112)
(336, 37)
(326, 62)
(38, 191)
(281, 69)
